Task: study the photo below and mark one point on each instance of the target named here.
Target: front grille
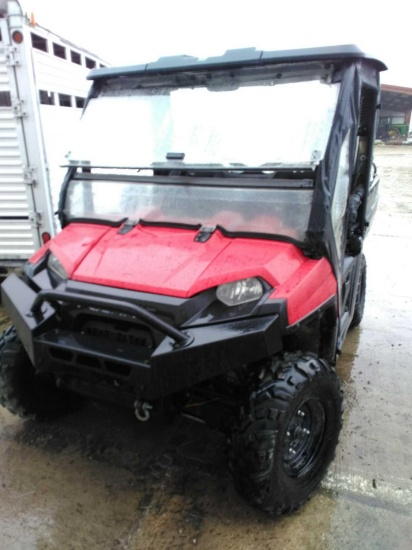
(83, 360)
(98, 343)
(121, 333)
(84, 353)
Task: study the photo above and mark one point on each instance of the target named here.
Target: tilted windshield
(258, 117)
(274, 211)
(203, 148)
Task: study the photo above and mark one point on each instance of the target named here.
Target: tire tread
(255, 438)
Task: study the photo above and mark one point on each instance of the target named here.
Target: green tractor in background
(389, 130)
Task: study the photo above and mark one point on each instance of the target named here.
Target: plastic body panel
(168, 261)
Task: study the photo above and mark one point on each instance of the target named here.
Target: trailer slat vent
(80, 102)
(65, 100)
(39, 43)
(5, 99)
(75, 57)
(46, 98)
(59, 51)
(90, 63)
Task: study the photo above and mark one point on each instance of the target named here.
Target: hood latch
(128, 226)
(204, 233)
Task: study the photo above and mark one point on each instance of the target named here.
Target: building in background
(395, 115)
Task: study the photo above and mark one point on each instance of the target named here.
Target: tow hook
(142, 410)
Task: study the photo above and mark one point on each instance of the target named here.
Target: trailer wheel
(23, 392)
(287, 434)
(360, 296)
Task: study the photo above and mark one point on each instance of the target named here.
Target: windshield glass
(277, 211)
(209, 120)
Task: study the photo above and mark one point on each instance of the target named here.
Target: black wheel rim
(303, 438)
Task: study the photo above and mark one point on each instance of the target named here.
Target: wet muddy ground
(97, 479)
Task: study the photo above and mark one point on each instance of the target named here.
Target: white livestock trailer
(43, 88)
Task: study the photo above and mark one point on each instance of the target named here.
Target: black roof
(238, 58)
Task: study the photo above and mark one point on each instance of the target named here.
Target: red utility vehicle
(210, 257)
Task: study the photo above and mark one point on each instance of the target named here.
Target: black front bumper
(122, 371)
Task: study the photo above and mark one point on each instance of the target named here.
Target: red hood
(168, 260)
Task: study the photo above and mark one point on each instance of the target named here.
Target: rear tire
(287, 434)
(360, 296)
(23, 392)
(394, 133)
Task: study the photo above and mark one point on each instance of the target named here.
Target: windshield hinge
(128, 226)
(204, 233)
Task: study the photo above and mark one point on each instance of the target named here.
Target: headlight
(240, 292)
(54, 265)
